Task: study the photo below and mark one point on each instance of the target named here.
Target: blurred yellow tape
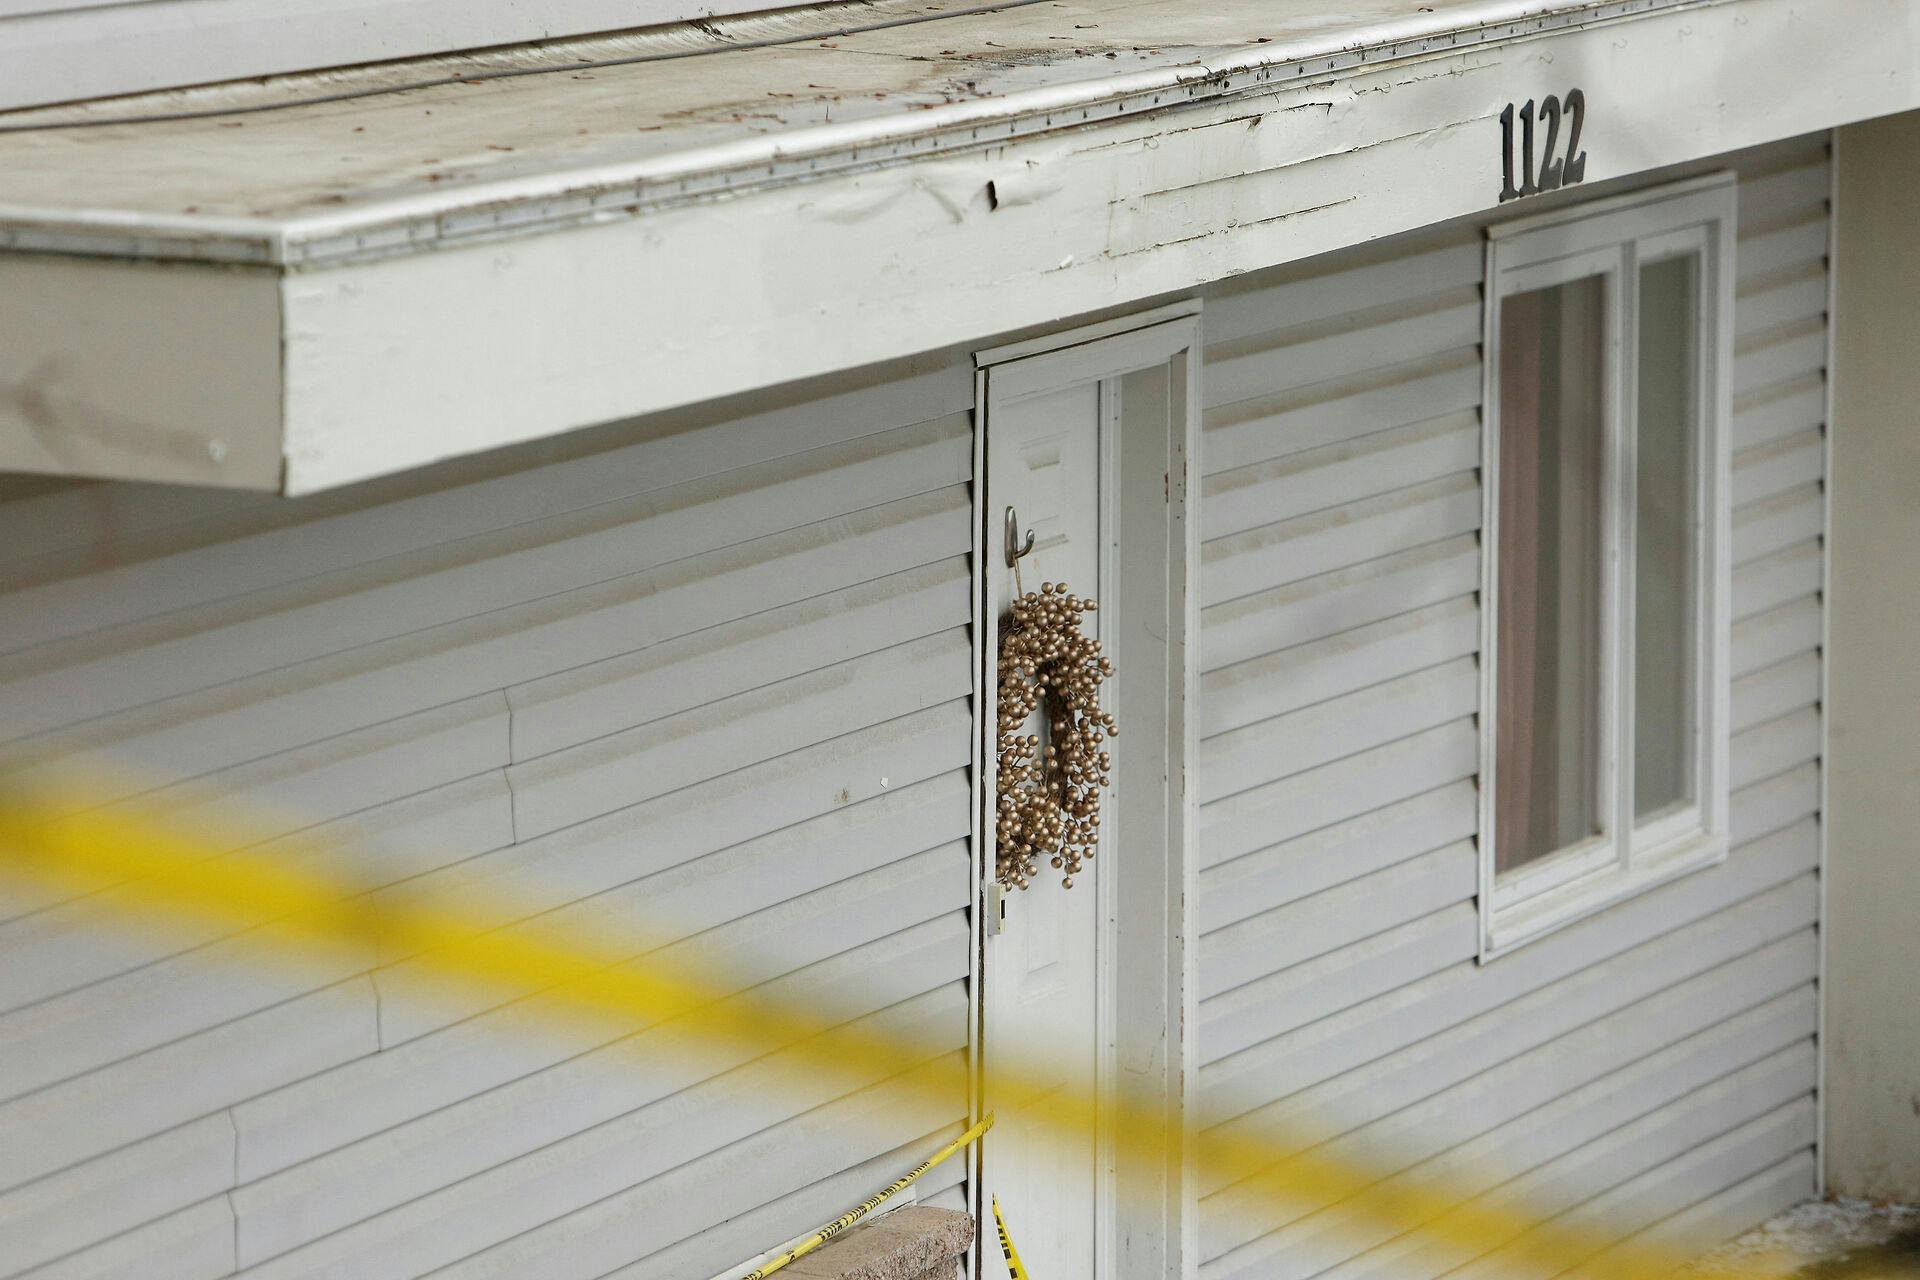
(161, 872)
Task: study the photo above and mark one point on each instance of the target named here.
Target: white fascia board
(571, 196)
(807, 154)
(391, 360)
(394, 362)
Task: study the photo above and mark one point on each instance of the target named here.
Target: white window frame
(1613, 238)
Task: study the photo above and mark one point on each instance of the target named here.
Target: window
(1605, 554)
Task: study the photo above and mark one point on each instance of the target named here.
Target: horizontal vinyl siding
(1651, 1068)
(704, 681)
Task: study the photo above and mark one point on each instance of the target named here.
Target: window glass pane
(1547, 699)
(1666, 555)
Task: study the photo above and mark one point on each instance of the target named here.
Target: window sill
(1510, 927)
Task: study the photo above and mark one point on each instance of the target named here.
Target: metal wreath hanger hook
(1014, 549)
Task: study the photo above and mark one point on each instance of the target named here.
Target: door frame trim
(1154, 1013)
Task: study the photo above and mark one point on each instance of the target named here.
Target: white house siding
(709, 676)
(1653, 1066)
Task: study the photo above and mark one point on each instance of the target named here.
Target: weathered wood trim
(1063, 102)
(397, 362)
(140, 371)
(91, 48)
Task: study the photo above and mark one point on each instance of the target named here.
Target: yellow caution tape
(207, 878)
(867, 1206)
(1007, 1251)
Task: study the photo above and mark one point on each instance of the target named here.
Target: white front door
(1088, 439)
(1041, 968)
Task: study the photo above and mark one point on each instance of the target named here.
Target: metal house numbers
(1553, 170)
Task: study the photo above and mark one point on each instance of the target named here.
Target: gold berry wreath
(1048, 803)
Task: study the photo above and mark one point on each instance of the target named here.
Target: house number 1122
(1553, 171)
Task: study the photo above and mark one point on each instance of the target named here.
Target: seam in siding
(432, 559)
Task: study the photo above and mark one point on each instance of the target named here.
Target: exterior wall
(1658, 1057)
(710, 675)
(563, 668)
(1873, 948)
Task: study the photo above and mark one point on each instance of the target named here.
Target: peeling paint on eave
(555, 201)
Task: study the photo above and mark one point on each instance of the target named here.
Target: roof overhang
(304, 296)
